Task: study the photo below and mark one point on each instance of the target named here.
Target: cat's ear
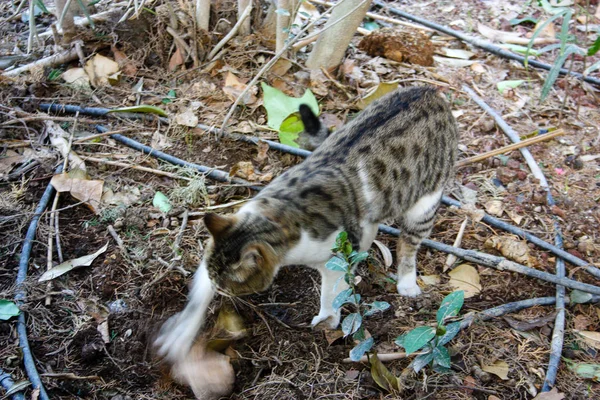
(312, 123)
(217, 224)
(258, 255)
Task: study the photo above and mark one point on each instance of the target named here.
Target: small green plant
(432, 339)
(344, 260)
(566, 49)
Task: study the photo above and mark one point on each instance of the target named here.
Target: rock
(506, 175)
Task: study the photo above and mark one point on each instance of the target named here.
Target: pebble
(117, 306)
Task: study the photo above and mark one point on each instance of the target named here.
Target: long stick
(510, 147)
(485, 45)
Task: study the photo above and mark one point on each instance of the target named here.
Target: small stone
(513, 164)
(487, 124)
(521, 175)
(506, 175)
(537, 209)
(174, 222)
(577, 163)
(557, 211)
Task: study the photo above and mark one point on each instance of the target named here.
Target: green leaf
(578, 297)
(585, 370)
(400, 340)
(567, 17)
(591, 68)
(371, 26)
(441, 356)
(595, 47)
(351, 323)
(450, 306)
(145, 109)
(418, 338)
(353, 299)
(283, 12)
(161, 202)
(377, 306)
(382, 376)
(452, 330)
(555, 70)
(421, 361)
(280, 106)
(360, 349)
(8, 309)
(341, 238)
(519, 49)
(502, 86)
(359, 257)
(335, 263)
(341, 298)
(517, 21)
(290, 129)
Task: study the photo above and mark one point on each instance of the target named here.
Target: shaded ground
(282, 358)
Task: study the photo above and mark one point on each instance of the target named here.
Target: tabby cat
(390, 163)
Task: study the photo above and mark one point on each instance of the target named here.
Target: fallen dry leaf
(160, 141)
(77, 77)
(385, 253)
(554, 394)
(465, 277)
(516, 218)
(528, 325)
(104, 331)
(71, 264)
(187, 118)
(511, 248)
(281, 67)
(591, 338)
(124, 62)
(331, 335)
(234, 87)
(494, 207)
(245, 170)
(60, 140)
(176, 60)
(581, 322)
(85, 190)
(431, 280)
(499, 368)
(101, 70)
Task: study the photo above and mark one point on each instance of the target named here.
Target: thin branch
(510, 147)
(60, 58)
(232, 32)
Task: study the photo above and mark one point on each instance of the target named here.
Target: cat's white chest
(310, 250)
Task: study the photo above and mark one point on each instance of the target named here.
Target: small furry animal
(390, 163)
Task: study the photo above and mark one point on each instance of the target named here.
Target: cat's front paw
(329, 319)
(409, 290)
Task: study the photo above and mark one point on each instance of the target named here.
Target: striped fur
(390, 163)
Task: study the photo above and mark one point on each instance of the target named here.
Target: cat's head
(239, 257)
(314, 133)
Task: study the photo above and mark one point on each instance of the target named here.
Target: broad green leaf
(450, 306)
(578, 297)
(360, 349)
(377, 306)
(290, 129)
(280, 106)
(351, 323)
(353, 299)
(452, 330)
(595, 47)
(145, 109)
(400, 340)
(67, 266)
(8, 309)
(441, 356)
(283, 12)
(418, 338)
(421, 361)
(359, 257)
(382, 376)
(335, 263)
(585, 370)
(519, 49)
(591, 68)
(502, 86)
(341, 298)
(162, 202)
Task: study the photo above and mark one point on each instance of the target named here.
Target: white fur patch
(178, 333)
(369, 232)
(407, 284)
(423, 206)
(366, 187)
(310, 250)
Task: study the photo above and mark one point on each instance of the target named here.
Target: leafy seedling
(433, 339)
(8, 309)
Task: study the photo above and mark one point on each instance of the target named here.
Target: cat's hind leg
(416, 225)
(332, 284)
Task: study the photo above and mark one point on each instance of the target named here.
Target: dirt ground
(129, 292)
